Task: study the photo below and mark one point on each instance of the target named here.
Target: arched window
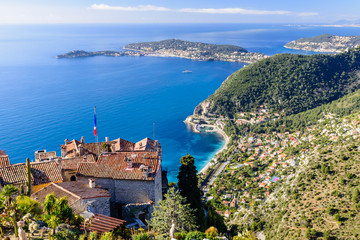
(72, 178)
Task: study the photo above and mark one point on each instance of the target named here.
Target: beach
(215, 129)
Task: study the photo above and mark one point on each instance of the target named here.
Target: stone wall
(158, 186)
(94, 205)
(130, 191)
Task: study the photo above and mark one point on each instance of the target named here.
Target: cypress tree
(28, 171)
(188, 187)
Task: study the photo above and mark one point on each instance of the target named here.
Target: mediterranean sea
(44, 100)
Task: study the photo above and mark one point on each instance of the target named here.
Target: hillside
(318, 194)
(286, 82)
(325, 43)
(295, 183)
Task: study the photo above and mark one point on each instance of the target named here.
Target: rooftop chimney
(91, 183)
(82, 139)
(66, 141)
(106, 139)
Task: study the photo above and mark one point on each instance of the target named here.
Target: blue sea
(44, 100)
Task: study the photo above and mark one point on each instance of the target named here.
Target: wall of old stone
(94, 205)
(129, 191)
(158, 186)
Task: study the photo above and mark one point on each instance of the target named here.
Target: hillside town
(325, 43)
(253, 168)
(109, 180)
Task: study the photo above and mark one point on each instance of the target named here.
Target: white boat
(187, 71)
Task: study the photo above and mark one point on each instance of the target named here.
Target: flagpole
(95, 133)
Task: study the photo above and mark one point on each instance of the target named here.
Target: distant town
(178, 48)
(325, 43)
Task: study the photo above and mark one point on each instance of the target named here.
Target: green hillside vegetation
(317, 195)
(299, 122)
(320, 201)
(289, 82)
(177, 44)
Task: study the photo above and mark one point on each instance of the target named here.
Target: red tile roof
(73, 163)
(43, 172)
(74, 191)
(101, 223)
(115, 166)
(4, 161)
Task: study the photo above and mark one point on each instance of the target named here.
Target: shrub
(195, 235)
(107, 236)
(180, 235)
(141, 236)
(211, 232)
(92, 235)
(327, 235)
(64, 234)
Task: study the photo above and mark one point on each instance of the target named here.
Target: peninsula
(196, 51)
(82, 53)
(178, 48)
(325, 43)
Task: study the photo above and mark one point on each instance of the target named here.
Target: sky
(184, 11)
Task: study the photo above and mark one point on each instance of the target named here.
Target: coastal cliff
(325, 43)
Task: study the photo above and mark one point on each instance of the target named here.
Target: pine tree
(28, 171)
(188, 186)
(173, 207)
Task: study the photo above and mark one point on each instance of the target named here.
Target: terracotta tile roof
(2, 152)
(4, 161)
(73, 163)
(43, 172)
(101, 223)
(83, 190)
(116, 166)
(148, 145)
(74, 191)
(58, 192)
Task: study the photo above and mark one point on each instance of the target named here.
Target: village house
(130, 173)
(81, 196)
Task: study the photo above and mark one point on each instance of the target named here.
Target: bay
(44, 100)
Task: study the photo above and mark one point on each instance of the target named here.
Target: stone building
(130, 172)
(81, 196)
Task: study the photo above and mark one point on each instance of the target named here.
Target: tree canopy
(289, 82)
(173, 207)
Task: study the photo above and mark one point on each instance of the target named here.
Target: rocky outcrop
(203, 107)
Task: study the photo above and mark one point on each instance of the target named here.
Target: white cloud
(140, 8)
(232, 11)
(147, 8)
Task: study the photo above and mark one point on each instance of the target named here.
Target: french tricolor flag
(95, 131)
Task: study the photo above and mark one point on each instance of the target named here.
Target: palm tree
(8, 192)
